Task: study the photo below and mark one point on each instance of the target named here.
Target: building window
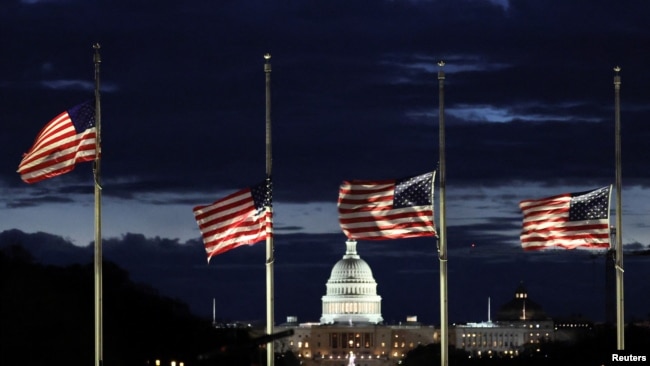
(367, 340)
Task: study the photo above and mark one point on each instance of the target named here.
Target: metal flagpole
(99, 347)
(442, 231)
(620, 319)
(270, 354)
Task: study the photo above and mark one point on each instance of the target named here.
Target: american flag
(66, 140)
(387, 209)
(567, 220)
(235, 220)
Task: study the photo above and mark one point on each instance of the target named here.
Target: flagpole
(270, 354)
(442, 231)
(99, 347)
(620, 319)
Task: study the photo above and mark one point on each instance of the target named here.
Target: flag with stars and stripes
(235, 220)
(387, 209)
(568, 220)
(66, 140)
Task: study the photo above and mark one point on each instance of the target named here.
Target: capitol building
(351, 329)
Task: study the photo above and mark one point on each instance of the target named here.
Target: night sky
(529, 113)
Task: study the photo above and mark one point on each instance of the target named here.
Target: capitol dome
(351, 291)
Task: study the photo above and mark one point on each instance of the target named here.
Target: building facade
(358, 344)
(521, 323)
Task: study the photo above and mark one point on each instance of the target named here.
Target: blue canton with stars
(82, 116)
(590, 205)
(413, 191)
(261, 195)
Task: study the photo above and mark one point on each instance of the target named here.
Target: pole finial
(267, 63)
(441, 63)
(97, 57)
(617, 77)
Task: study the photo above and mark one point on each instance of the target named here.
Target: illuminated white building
(520, 323)
(351, 291)
(351, 329)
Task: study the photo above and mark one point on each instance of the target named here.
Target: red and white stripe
(56, 150)
(231, 222)
(366, 213)
(546, 224)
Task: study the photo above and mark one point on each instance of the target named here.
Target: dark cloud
(37, 201)
(185, 107)
(46, 248)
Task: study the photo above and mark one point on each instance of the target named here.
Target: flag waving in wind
(568, 220)
(235, 220)
(387, 209)
(65, 141)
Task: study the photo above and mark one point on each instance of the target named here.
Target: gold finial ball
(267, 56)
(617, 69)
(441, 63)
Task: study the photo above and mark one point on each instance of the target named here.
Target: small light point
(267, 56)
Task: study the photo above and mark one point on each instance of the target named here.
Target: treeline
(47, 318)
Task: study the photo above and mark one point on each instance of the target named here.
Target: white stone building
(520, 323)
(351, 291)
